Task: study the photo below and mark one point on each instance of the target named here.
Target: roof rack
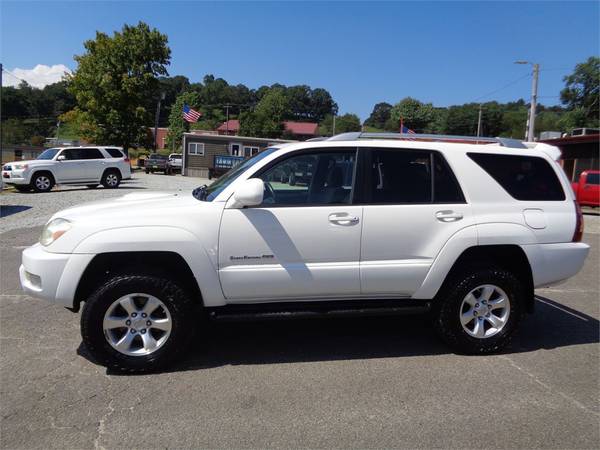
(504, 142)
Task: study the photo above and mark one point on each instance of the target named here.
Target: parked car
(174, 163)
(156, 163)
(464, 231)
(587, 188)
(89, 166)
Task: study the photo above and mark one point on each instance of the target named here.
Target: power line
(502, 88)
(12, 74)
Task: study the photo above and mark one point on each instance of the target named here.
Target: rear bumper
(53, 277)
(553, 263)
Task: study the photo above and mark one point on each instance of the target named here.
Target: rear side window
(523, 177)
(592, 178)
(410, 176)
(114, 152)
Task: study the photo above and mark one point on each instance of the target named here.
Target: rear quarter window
(593, 178)
(527, 178)
(114, 152)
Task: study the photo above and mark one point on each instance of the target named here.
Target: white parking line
(561, 309)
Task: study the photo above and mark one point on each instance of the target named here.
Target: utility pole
(227, 119)
(530, 132)
(333, 130)
(479, 122)
(57, 132)
(1, 153)
(156, 116)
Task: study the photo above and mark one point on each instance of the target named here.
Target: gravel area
(25, 210)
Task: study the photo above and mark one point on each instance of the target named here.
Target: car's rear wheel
(480, 310)
(137, 323)
(42, 182)
(111, 179)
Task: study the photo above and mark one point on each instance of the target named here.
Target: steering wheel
(269, 196)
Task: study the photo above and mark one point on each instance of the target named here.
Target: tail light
(578, 224)
(126, 159)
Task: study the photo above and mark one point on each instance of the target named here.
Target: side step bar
(321, 309)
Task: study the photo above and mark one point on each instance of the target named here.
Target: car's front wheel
(137, 323)
(42, 182)
(480, 310)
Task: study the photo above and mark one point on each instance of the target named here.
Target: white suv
(465, 230)
(89, 166)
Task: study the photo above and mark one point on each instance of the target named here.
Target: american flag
(404, 129)
(190, 115)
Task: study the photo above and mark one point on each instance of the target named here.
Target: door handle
(343, 219)
(448, 216)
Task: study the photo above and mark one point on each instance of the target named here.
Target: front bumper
(15, 177)
(53, 277)
(554, 263)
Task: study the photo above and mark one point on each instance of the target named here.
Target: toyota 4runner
(383, 224)
(89, 166)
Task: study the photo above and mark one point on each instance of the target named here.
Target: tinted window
(399, 176)
(114, 152)
(593, 178)
(446, 188)
(82, 153)
(523, 177)
(310, 179)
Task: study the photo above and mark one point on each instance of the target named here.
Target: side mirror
(250, 193)
(61, 158)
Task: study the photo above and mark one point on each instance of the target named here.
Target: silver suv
(88, 166)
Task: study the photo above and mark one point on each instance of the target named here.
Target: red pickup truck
(587, 189)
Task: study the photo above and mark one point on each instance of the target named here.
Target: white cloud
(40, 76)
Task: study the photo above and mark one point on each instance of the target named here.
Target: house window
(235, 149)
(196, 148)
(250, 151)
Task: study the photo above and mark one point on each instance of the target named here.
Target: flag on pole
(190, 115)
(403, 129)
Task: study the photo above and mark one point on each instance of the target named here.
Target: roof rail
(504, 142)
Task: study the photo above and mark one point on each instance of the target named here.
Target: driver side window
(317, 178)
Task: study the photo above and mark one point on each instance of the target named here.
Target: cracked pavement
(337, 383)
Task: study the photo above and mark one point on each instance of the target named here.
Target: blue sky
(362, 52)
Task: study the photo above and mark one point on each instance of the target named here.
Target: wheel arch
(162, 263)
(36, 172)
(510, 257)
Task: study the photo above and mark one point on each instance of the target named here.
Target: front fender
(167, 239)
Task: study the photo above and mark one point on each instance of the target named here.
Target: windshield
(175, 156)
(155, 156)
(211, 192)
(48, 154)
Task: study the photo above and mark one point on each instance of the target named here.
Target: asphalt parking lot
(337, 383)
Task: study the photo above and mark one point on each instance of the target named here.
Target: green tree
(380, 115)
(116, 83)
(343, 124)
(177, 124)
(582, 93)
(267, 118)
(416, 115)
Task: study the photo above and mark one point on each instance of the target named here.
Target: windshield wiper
(200, 192)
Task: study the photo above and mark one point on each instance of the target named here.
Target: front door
(71, 168)
(412, 206)
(303, 242)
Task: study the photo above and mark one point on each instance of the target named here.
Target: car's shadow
(9, 210)
(290, 341)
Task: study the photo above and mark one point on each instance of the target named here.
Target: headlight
(53, 230)
(20, 166)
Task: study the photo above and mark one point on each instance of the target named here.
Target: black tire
(42, 182)
(177, 301)
(147, 171)
(292, 180)
(447, 310)
(92, 186)
(23, 188)
(111, 179)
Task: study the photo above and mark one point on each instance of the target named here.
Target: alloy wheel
(137, 324)
(484, 311)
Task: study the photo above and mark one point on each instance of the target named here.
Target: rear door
(590, 189)
(412, 206)
(94, 163)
